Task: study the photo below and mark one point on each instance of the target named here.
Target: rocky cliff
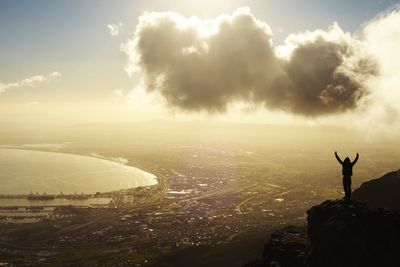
(345, 234)
(339, 234)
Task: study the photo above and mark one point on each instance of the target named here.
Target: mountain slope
(383, 192)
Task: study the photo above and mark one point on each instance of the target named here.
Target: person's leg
(349, 186)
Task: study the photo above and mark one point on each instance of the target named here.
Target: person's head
(347, 160)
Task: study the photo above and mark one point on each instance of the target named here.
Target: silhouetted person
(347, 172)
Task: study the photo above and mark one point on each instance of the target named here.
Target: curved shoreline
(123, 178)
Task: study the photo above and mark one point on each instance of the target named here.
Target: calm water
(55, 202)
(25, 171)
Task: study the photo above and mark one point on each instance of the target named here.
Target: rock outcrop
(339, 234)
(347, 233)
(383, 192)
(286, 247)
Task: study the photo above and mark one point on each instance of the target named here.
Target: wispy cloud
(115, 29)
(32, 81)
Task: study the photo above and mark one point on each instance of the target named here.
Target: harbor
(35, 207)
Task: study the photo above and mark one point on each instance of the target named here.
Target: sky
(95, 61)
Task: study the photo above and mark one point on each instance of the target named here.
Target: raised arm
(355, 160)
(338, 159)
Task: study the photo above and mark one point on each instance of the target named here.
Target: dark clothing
(347, 186)
(347, 171)
(347, 165)
(347, 168)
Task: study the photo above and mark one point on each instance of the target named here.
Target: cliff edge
(339, 233)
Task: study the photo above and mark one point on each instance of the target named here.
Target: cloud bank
(32, 81)
(382, 39)
(208, 64)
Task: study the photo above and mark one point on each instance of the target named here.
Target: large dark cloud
(319, 80)
(206, 65)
